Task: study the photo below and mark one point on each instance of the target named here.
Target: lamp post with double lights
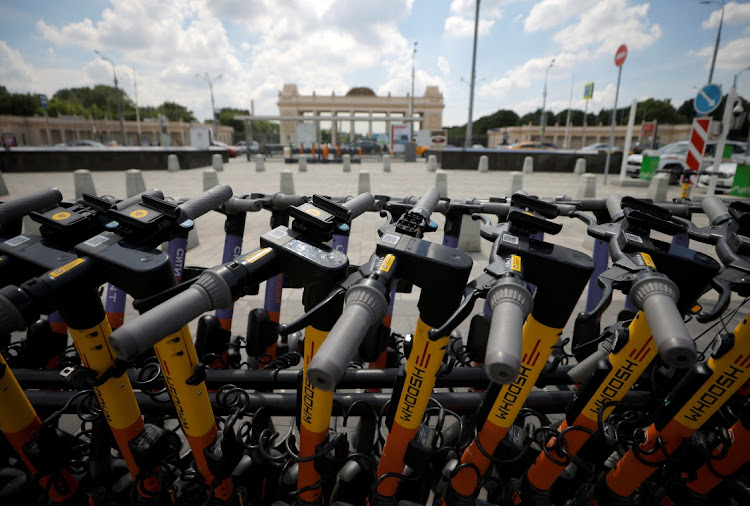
(544, 101)
(210, 82)
(718, 37)
(117, 91)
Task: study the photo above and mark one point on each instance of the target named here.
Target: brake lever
(488, 231)
(588, 220)
(143, 305)
(705, 235)
(724, 288)
(471, 294)
(603, 232)
(311, 316)
(388, 221)
(611, 279)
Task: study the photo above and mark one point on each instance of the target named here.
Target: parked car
(725, 178)
(233, 150)
(252, 147)
(369, 147)
(528, 145)
(636, 147)
(672, 158)
(602, 147)
(81, 143)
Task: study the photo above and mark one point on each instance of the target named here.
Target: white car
(725, 179)
(672, 158)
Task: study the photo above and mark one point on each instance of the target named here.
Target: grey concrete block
(173, 163)
(516, 182)
(260, 163)
(83, 183)
(431, 163)
(134, 183)
(347, 165)
(386, 163)
(657, 190)
(441, 182)
(302, 164)
(363, 184)
(286, 182)
(580, 167)
(217, 163)
(484, 163)
(586, 187)
(528, 165)
(210, 179)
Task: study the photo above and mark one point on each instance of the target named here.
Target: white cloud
(734, 14)
(608, 24)
(463, 27)
(15, 73)
(443, 65)
(467, 8)
(531, 74)
(461, 22)
(286, 42)
(550, 13)
(734, 55)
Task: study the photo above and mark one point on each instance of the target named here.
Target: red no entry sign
(621, 54)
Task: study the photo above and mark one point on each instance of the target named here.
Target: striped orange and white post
(696, 149)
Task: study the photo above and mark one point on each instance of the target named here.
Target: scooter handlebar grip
(427, 203)
(237, 205)
(40, 199)
(585, 368)
(131, 201)
(497, 208)
(657, 298)
(614, 207)
(510, 302)
(716, 209)
(360, 204)
(365, 306)
(281, 201)
(206, 201)
(141, 334)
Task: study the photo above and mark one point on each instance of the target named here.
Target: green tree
(19, 104)
(175, 112)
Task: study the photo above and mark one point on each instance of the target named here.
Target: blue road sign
(43, 100)
(708, 99)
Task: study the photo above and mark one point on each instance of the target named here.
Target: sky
(333, 45)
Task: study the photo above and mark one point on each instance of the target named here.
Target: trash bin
(649, 165)
(741, 183)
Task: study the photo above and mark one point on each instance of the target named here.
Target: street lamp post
(544, 101)
(411, 97)
(210, 82)
(117, 91)
(737, 76)
(137, 113)
(469, 125)
(718, 36)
